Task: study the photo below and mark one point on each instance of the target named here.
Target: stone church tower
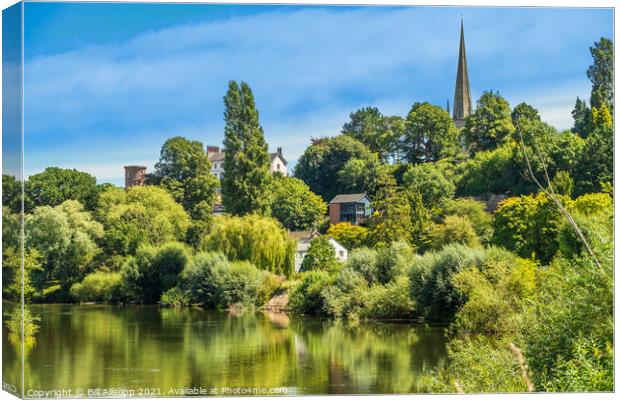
(462, 107)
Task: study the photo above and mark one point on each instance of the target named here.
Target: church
(462, 105)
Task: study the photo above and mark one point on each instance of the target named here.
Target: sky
(107, 84)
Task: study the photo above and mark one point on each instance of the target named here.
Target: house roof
(272, 156)
(349, 198)
(216, 156)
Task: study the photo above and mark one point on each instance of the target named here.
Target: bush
(454, 229)
(349, 235)
(392, 262)
(389, 301)
(431, 280)
(473, 210)
(321, 255)
(429, 181)
(307, 296)
(202, 279)
(259, 240)
(346, 297)
(98, 286)
(240, 284)
(364, 262)
(175, 297)
(154, 270)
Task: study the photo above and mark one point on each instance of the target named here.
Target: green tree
(601, 74)
(153, 270)
(421, 220)
(475, 212)
(66, 238)
(490, 125)
(430, 182)
(391, 219)
(378, 132)
(56, 185)
(143, 215)
(430, 134)
(455, 229)
(246, 161)
(321, 255)
(320, 163)
(582, 115)
(594, 167)
(528, 225)
(184, 170)
(11, 193)
(364, 175)
(259, 240)
(294, 205)
(349, 235)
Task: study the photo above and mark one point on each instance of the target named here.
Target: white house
(303, 244)
(277, 163)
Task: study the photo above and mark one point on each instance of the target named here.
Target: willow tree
(246, 161)
(260, 240)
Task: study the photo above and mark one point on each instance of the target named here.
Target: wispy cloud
(308, 67)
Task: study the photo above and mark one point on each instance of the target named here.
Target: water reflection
(81, 347)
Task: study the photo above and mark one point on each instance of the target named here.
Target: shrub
(454, 229)
(389, 301)
(429, 181)
(154, 270)
(392, 262)
(473, 210)
(259, 240)
(431, 280)
(202, 278)
(175, 297)
(240, 284)
(364, 262)
(346, 297)
(349, 235)
(321, 255)
(307, 297)
(98, 286)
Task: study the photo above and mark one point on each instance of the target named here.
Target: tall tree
(601, 74)
(489, 125)
(364, 175)
(429, 135)
(246, 161)
(55, 185)
(294, 205)
(320, 163)
(582, 117)
(391, 219)
(375, 130)
(184, 170)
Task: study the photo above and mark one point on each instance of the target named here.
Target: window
(341, 252)
(278, 167)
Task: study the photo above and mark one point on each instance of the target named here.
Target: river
(139, 350)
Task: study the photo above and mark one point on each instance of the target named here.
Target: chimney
(279, 151)
(213, 149)
(135, 175)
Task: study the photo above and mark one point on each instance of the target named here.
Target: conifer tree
(246, 161)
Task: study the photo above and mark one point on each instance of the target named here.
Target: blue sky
(107, 84)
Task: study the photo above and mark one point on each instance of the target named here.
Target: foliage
(294, 205)
(98, 286)
(432, 288)
(454, 229)
(12, 282)
(389, 301)
(379, 133)
(478, 364)
(582, 117)
(474, 211)
(570, 329)
(56, 185)
(490, 125)
(320, 163)
(528, 226)
(601, 74)
(496, 293)
(143, 215)
(421, 220)
(11, 193)
(246, 162)
(391, 219)
(184, 170)
(595, 162)
(66, 238)
(430, 134)
(22, 327)
(349, 235)
(364, 175)
(306, 297)
(153, 270)
(321, 255)
(563, 183)
(430, 182)
(259, 240)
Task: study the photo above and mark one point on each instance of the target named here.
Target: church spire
(462, 96)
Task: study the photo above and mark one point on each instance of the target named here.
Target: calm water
(157, 351)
